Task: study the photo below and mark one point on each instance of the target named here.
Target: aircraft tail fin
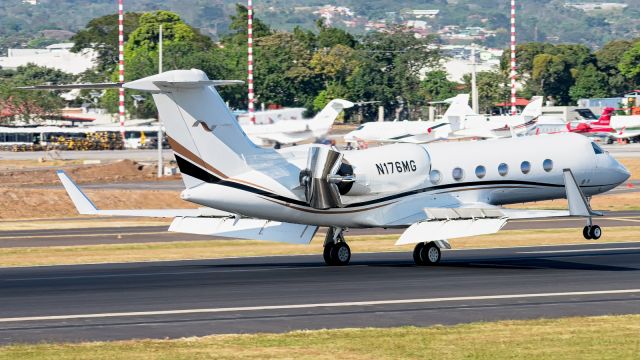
(325, 118)
(208, 142)
(534, 108)
(605, 118)
(457, 111)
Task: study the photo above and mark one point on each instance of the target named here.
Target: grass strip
(586, 338)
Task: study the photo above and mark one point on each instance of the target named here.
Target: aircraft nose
(621, 172)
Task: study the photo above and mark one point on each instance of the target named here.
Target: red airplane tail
(605, 118)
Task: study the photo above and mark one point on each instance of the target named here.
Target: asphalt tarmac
(147, 234)
(276, 294)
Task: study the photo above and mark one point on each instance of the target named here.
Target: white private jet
(288, 131)
(436, 191)
(459, 121)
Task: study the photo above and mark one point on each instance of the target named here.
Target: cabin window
(457, 174)
(435, 177)
(481, 171)
(503, 169)
(597, 149)
(547, 165)
(525, 167)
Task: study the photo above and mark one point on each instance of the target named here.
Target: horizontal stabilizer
(449, 223)
(241, 228)
(99, 86)
(86, 207)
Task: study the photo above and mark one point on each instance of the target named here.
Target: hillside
(23, 24)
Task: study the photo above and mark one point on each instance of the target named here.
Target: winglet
(80, 200)
(578, 204)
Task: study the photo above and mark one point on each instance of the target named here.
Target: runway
(147, 234)
(275, 294)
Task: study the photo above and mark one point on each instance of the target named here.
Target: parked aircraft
(606, 126)
(437, 191)
(459, 121)
(295, 131)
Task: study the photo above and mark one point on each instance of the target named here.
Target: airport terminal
(323, 182)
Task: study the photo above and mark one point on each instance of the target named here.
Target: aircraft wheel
(326, 254)
(586, 232)
(430, 254)
(340, 254)
(416, 254)
(595, 232)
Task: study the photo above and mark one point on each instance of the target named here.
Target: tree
(390, 69)
(590, 83)
(330, 36)
(184, 48)
(630, 64)
(608, 58)
(30, 106)
(101, 35)
(553, 73)
(437, 87)
(493, 88)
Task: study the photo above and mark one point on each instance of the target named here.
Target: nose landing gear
(591, 232)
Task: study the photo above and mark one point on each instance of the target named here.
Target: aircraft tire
(586, 232)
(326, 254)
(416, 254)
(340, 254)
(595, 232)
(430, 254)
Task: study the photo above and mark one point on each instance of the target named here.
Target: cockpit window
(597, 149)
(360, 127)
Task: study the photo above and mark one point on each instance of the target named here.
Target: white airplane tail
(457, 111)
(322, 122)
(534, 108)
(207, 140)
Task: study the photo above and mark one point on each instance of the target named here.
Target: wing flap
(449, 223)
(241, 228)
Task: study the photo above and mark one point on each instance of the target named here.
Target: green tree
(330, 36)
(493, 88)
(101, 35)
(551, 76)
(608, 58)
(31, 106)
(590, 83)
(183, 48)
(630, 64)
(390, 70)
(437, 87)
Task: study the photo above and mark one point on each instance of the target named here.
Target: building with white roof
(56, 56)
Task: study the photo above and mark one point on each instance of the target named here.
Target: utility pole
(474, 85)
(160, 135)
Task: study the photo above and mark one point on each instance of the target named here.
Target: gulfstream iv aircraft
(436, 191)
(295, 131)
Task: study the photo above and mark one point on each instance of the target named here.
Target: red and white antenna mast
(252, 109)
(513, 57)
(121, 110)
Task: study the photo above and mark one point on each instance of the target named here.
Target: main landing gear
(591, 232)
(336, 251)
(428, 253)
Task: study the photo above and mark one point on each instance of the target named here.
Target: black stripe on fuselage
(201, 174)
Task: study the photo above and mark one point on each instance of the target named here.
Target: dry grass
(586, 338)
(633, 165)
(98, 222)
(30, 164)
(19, 203)
(241, 248)
(616, 202)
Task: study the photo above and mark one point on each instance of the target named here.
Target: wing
(203, 221)
(463, 220)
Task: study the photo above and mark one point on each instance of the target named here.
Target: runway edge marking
(315, 305)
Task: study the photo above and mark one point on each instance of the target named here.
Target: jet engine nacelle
(323, 179)
(387, 169)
